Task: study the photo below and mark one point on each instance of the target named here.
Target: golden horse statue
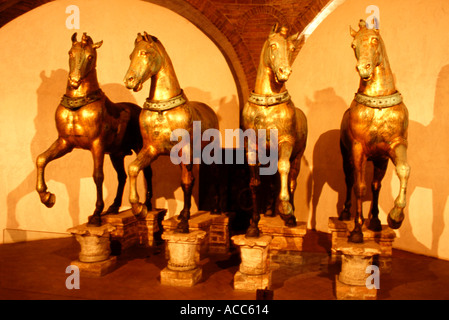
(270, 107)
(87, 119)
(374, 128)
(166, 109)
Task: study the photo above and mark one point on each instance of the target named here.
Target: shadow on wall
(428, 159)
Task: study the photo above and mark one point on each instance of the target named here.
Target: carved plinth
(340, 230)
(286, 244)
(95, 254)
(150, 227)
(126, 232)
(351, 283)
(183, 250)
(254, 270)
(215, 226)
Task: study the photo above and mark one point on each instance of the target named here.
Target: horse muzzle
(132, 83)
(283, 73)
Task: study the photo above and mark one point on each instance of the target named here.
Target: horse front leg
(118, 162)
(295, 168)
(285, 207)
(187, 181)
(399, 158)
(98, 175)
(59, 148)
(359, 160)
(254, 184)
(148, 175)
(143, 160)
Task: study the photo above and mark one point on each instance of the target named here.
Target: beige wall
(33, 77)
(323, 84)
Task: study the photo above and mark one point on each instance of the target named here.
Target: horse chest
(84, 122)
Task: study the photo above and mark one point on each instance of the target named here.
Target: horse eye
(374, 41)
(89, 57)
(274, 46)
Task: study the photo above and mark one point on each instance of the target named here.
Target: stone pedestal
(356, 258)
(340, 231)
(254, 270)
(183, 250)
(216, 228)
(150, 228)
(95, 255)
(286, 244)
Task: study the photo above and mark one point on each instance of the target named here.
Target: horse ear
(74, 37)
(294, 37)
(352, 32)
(97, 45)
(139, 38)
(274, 28)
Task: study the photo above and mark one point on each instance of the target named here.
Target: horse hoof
(345, 215)
(48, 199)
(375, 225)
(355, 237)
(139, 210)
(269, 213)
(252, 232)
(285, 208)
(289, 220)
(182, 227)
(112, 210)
(94, 221)
(395, 223)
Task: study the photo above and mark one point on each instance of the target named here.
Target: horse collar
(379, 102)
(269, 100)
(78, 102)
(164, 105)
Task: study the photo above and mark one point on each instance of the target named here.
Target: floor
(36, 270)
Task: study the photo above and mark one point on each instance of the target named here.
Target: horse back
(202, 112)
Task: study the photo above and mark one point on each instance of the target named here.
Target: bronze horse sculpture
(270, 107)
(166, 109)
(374, 128)
(87, 119)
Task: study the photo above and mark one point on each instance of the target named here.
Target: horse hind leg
(254, 184)
(118, 162)
(396, 215)
(380, 167)
(295, 168)
(148, 175)
(59, 148)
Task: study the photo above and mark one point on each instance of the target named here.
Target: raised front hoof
(139, 210)
(48, 199)
(374, 224)
(94, 221)
(356, 236)
(182, 227)
(252, 232)
(395, 218)
(345, 215)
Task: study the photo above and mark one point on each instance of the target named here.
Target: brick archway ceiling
(238, 27)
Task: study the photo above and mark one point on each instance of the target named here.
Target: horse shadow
(429, 159)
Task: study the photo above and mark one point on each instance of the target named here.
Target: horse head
(82, 58)
(146, 61)
(278, 51)
(368, 48)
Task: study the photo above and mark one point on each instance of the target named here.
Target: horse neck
(164, 84)
(382, 82)
(266, 83)
(88, 84)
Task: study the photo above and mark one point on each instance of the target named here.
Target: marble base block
(356, 258)
(254, 270)
(286, 244)
(183, 251)
(150, 227)
(95, 254)
(126, 233)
